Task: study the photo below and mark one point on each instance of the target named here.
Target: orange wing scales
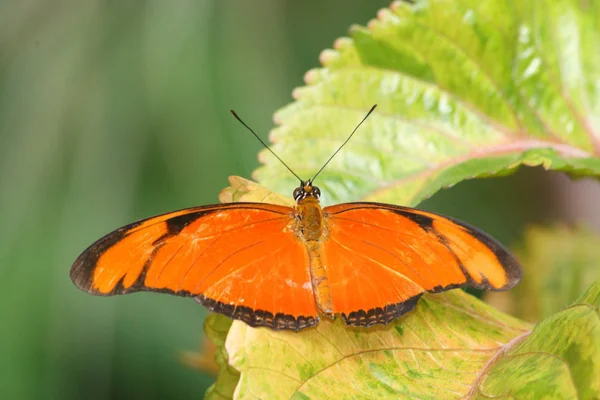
(381, 258)
(216, 253)
(252, 261)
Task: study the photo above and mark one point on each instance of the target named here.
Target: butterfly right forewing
(382, 258)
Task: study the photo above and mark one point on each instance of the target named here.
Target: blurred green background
(113, 111)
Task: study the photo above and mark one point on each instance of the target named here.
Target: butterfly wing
(242, 260)
(381, 258)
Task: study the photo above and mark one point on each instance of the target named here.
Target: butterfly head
(306, 189)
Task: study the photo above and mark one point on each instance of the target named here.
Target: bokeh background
(112, 111)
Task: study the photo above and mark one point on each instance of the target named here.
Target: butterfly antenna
(343, 144)
(264, 144)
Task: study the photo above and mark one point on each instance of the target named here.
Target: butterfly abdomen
(311, 232)
(319, 279)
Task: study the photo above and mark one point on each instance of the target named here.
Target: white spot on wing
(306, 285)
(290, 283)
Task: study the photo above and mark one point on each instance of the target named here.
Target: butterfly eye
(316, 191)
(298, 193)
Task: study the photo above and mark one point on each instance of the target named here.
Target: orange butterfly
(282, 267)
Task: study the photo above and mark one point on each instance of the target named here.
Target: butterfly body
(312, 232)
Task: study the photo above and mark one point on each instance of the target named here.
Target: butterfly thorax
(310, 213)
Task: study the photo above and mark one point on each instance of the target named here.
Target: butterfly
(285, 267)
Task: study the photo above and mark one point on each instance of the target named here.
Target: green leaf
(465, 89)
(216, 327)
(559, 360)
(561, 263)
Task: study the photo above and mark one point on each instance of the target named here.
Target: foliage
(561, 263)
(465, 89)
(462, 93)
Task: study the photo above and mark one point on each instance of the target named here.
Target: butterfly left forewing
(242, 260)
(402, 252)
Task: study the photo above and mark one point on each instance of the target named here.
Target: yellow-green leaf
(434, 352)
(244, 190)
(452, 346)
